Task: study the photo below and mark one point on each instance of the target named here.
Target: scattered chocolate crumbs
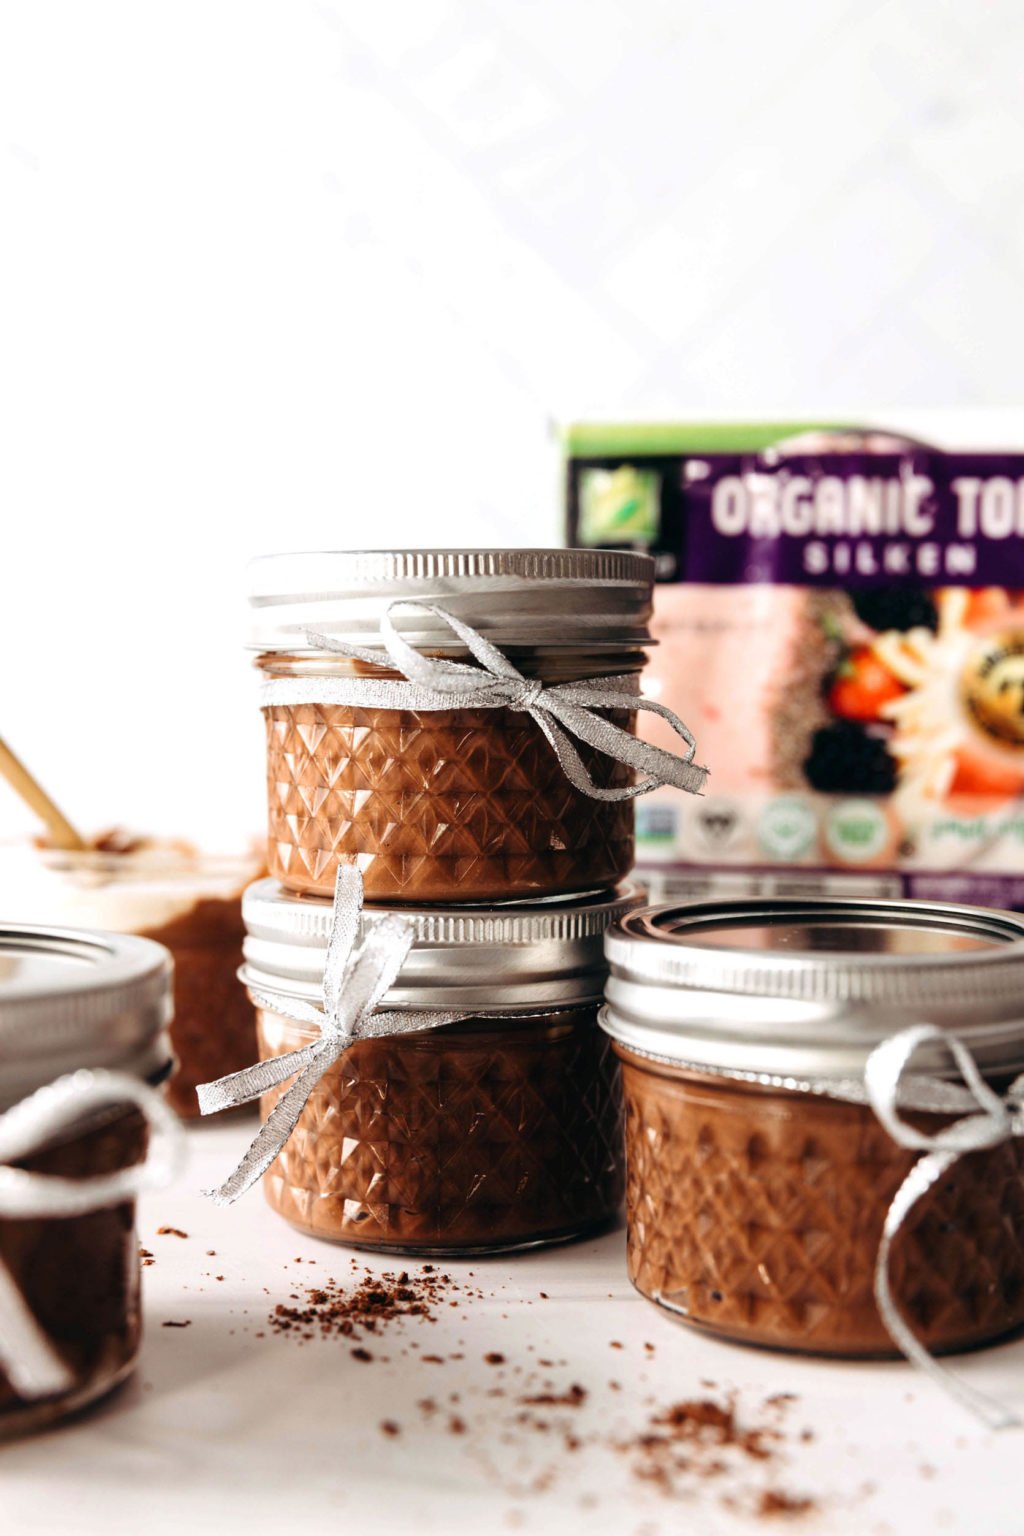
(575, 1397)
(170, 1232)
(332, 1309)
(774, 1502)
(186, 1324)
(701, 1438)
(146, 1257)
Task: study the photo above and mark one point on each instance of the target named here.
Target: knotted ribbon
(997, 1121)
(561, 710)
(356, 978)
(29, 1360)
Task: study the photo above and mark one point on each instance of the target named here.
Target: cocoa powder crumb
(389, 1427)
(494, 1358)
(360, 1354)
(456, 1426)
(170, 1232)
(186, 1324)
(575, 1397)
(703, 1438)
(375, 1301)
(774, 1502)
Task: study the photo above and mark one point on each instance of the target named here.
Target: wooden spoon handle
(62, 833)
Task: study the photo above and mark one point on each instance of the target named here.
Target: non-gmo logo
(788, 829)
(856, 831)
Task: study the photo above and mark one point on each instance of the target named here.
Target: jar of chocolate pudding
(453, 804)
(167, 891)
(82, 1040)
(758, 1174)
(500, 1131)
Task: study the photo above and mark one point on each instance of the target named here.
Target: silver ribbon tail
(997, 1122)
(356, 978)
(29, 1360)
(563, 711)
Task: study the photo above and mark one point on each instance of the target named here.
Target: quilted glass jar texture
(780, 1088)
(373, 761)
(79, 1274)
(757, 1215)
(439, 805)
(478, 1107)
(479, 1136)
(83, 1044)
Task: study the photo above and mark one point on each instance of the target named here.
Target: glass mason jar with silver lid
(498, 1127)
(83, 1041)
(785, 1066)
(435, 717)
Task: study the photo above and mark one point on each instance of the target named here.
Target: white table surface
(223, 1431)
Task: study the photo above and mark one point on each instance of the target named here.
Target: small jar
(758, 1177)
(71, 1000)
(169, 892)
(497, 1132)
(452, 805)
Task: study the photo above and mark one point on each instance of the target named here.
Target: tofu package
(840, 622)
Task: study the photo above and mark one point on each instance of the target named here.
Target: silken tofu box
(840, 619)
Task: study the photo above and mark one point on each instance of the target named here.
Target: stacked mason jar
(451, 762)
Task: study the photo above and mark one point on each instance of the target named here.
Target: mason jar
(758, 1174)
(460, 804)
(500, 1131)
(75, 1007)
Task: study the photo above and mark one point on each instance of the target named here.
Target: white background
(299, 274)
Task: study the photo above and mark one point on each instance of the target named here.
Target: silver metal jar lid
(600, 599)
(488, 960)
(807, 988)
(71, 998)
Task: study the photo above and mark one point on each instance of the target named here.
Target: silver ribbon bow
(30, 1362)
(356, 978)
(562, 711)
(997, 1121)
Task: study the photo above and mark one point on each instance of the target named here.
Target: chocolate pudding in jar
(168, 891)
(758, 1175)
(500, 1131)
(75, 1003)
(443, 805)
